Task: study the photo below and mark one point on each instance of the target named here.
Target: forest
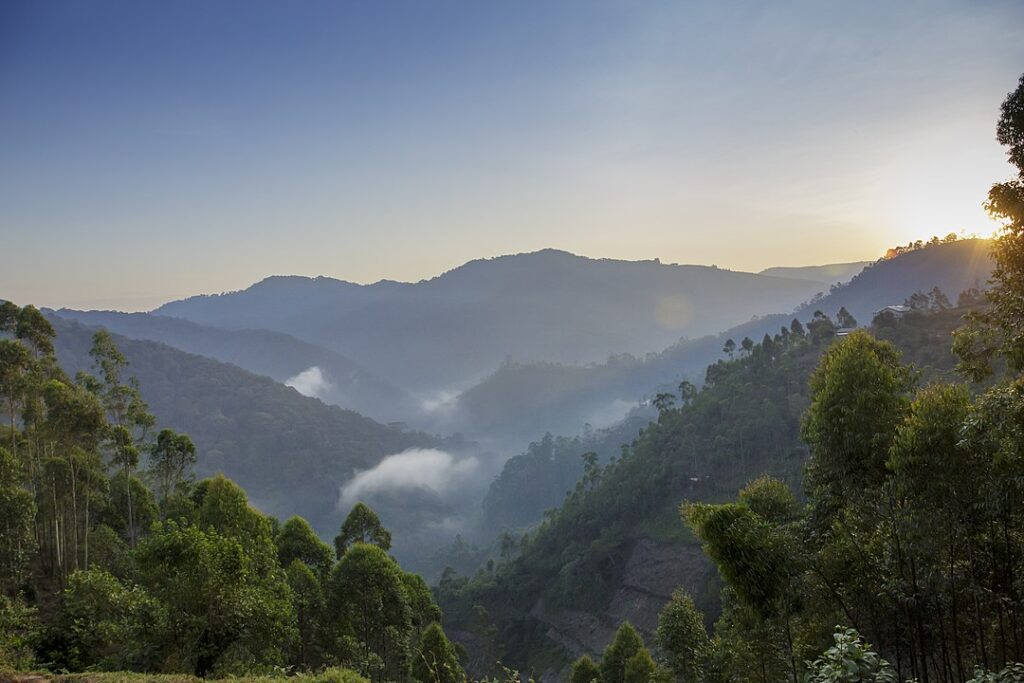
(113, 557)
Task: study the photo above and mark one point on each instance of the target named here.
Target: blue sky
(153, 150)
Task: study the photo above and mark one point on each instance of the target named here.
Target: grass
(334, 675)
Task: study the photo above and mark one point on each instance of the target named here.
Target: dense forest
(113, 557)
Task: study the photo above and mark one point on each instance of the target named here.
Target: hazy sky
(150, 150)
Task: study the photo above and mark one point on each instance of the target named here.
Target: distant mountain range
(560, 398)
(449, 331)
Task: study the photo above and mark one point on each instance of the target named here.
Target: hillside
(550, 305)
(279, 356)
(829, 274)
(616, 549)
(561, 398)
(290, 452)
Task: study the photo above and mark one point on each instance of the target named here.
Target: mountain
(615, 548)
(829, 274)
(314, 370)
(953, 267)
(291, 453)
(445, 333)
(560, 398)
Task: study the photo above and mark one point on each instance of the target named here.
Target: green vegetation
(908, 529)
(113, 558)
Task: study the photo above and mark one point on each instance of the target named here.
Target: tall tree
(362, 525)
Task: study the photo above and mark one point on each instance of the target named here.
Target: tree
(850, 660)
(845, 319)
(858, 395)
(999, 330)
(682, 638)
(308, 602)
(17, 537)
(820, 328)
(584, 670)
(747, 345)
(361, 526)
(938, 301)
(640, 668)
(297, 541)
(366, 599)
(624, 645)
(129, 415)
(171, 458)
(664, 401)
(105, 624)
(225, 612)
(435, 660)
(687, 392)
(422, 607)
(730, 347)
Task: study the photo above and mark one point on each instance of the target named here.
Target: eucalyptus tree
(129, 416)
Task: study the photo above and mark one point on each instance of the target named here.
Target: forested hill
(616, 548)
(290, 452)
(543, 306)
(953, 267)
(560, 398)
(282, 357)
(830, 274)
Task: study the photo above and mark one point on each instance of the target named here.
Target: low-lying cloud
(310, 382)
(414, 469)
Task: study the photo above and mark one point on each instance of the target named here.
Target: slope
(290, 452)
(277, 355)
(615, 549)
(560, 398)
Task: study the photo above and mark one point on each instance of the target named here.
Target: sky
(154, 150)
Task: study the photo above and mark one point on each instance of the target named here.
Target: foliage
(619, 653)
(584, 670)
(850, 660)
(297, 541)
(361, 526)
(435, 660)
(682, 638)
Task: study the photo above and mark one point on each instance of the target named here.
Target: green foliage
(584, 670)
(227, 610)
(859, 395)
(108, 551)
(626, 643)
(19, 634)
(334, 674)
(850, 660)
(753, 557)
(296, 540)
(105, 624)
(366, 599)
(17, 538)
(435, 660)
(682, 638)
(362, 525)
(171, 459)
(309, 649)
